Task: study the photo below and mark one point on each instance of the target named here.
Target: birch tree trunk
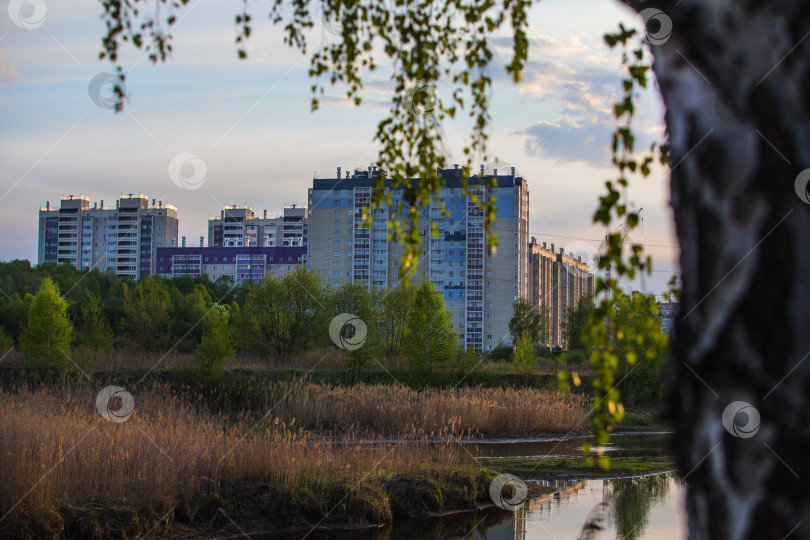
(735, 78)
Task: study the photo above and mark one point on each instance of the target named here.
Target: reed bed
(68, 471)
(392, 409)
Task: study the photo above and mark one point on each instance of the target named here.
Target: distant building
(479, 284)
(556, 283)
(242, 264)
(238, 226)
(667, 311)
(123, 239)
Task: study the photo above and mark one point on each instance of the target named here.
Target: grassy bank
(192, 459)
(578, 468)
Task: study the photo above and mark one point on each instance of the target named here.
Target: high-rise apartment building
(238, 226)
(557, 282)
(479, 283)
(123, 239)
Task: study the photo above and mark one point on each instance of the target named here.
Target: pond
(647, 507)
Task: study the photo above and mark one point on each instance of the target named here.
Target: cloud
(578, 81)
(566, 140)
(8, 73)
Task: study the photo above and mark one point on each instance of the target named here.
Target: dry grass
(68, 471)
(388, 409)
(58, 454)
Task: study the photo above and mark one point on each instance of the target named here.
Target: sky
(249, 122)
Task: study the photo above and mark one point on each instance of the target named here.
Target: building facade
(238, 226)
(479, 283)
(557, 282)
(668, 311)
(242, 264)
(123, 239)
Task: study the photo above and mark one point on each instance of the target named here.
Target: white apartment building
(479, 283)
(238, 226)
(123, 239)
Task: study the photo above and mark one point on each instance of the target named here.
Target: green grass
(579, 467)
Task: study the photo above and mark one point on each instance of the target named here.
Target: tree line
(48, 309)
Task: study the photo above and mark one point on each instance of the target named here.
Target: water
(647, 507)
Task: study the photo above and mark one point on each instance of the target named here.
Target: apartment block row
(479, 282)
(124, 238)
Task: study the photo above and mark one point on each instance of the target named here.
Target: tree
(288, 315)
(6, 343)
(357, 300)
(189, 311)
(525, 359)
(147, 315)
(641, 369)
(93, 329)
(733, 76)
(395, 305)
(525, 320)
(576, 325)
(216, 346)
(430, 339)
(46, 339)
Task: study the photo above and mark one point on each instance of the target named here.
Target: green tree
(189, 310)
(357, 300)
(642, 358)
(430, 339)
(46, 339)
(216, 345)
(575, 326)
(93, 329)
(527, 320)
(525, 358)
(147, 315)
(6, 343)
(286, 316)
(395, 305)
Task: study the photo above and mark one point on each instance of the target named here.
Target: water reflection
(647, 507)
(630, 501)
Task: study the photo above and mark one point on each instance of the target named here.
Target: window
(489, 305)
(337, 212)
(489, 262)
(489, 274)
(337, 254)
(395, 254)
(489, 315)
(394, 264)
(336, 274)
(337, 232)
(337, 202)
(337, 243)
(337, 223)
(336, 264)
